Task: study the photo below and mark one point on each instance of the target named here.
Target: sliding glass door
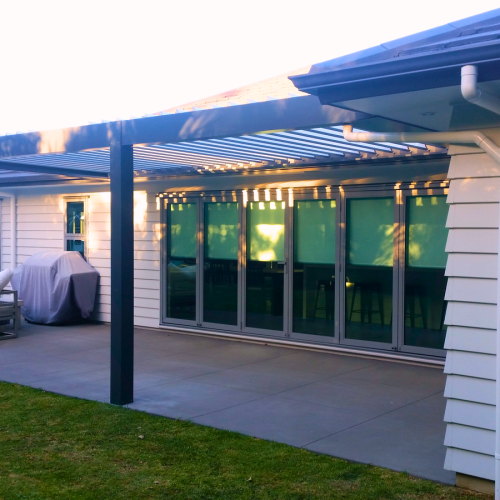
(181, 262)
(220, 263)
(265, 267)
(370, 270)
(314, 287)
(358, 267)
(422, 328)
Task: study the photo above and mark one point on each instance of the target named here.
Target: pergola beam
(260, 117)
(41, 169)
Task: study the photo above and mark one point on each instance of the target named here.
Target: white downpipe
(474, 95)
(13, 228)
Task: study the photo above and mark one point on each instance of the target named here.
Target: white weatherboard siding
(146, 252)
(471, 315)
(40, 226)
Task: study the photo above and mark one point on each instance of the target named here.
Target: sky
(67, 63)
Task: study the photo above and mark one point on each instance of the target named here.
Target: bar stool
(412, 294)
(367, 305)
(328, 289)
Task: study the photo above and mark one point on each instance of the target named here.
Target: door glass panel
(425, 282)
(181, 261)
(369, 269)
(314, 267)
(265, 273)
(220, 284)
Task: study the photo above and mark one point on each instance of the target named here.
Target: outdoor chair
(9, 311)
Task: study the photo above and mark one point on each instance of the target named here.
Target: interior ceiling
(428, 109)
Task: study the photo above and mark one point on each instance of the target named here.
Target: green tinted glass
(426, 231)
(182, 230)
(221, 231)
(314, 231)
(266, 231)
(370, 240)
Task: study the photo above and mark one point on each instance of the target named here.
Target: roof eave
(419, 72)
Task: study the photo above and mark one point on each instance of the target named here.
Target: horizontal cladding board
(146, 322)
(38, 209)
(472, 315)
(470, 339)
(95, 208)
(470, 463)
(146, 246)
(104, 272)
(45, 200)
(146, 303)
(469, 265)
(477, 165)
(96, 243)
(99, 216)
(470, 438)
(100, 226)
(470, 364)
(472, 290)
(476, 390)
(37, 217)
(472, 414)
(97, 238)
(146, 284)
(472, 241)
(43, 235)
(483, 190)
(35, 243)
(37, 227)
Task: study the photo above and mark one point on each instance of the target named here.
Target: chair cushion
(5, 277)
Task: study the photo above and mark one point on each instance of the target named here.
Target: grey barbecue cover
(56, 287)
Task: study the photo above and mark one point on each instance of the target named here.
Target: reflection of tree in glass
(221, 240)
(266, 223)
(426, 231)
(183, 230)
(371, 231)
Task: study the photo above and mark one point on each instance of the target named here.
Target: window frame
(76, 236)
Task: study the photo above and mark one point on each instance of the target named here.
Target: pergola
(280, 133)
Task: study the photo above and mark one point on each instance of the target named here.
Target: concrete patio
(367, 410)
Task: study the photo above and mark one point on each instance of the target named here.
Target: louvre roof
(293, 148)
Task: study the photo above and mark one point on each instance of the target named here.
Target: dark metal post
(122, 270)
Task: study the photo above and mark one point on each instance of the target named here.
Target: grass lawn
(58, 447)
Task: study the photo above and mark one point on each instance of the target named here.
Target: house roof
(277, 87)
(414, 83)
(406, 64)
